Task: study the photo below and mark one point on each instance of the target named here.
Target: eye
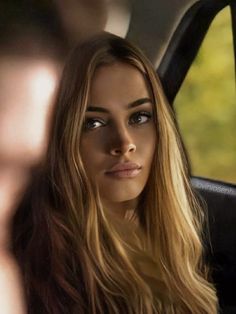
(91, 124)
(141, 117)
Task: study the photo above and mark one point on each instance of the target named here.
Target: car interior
(172, 45)
(170, 32)
(219, 196)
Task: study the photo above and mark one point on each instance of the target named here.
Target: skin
(118, 136)
(27, 89)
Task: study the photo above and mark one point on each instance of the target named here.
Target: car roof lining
(153, 23)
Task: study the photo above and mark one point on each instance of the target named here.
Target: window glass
(206, 105)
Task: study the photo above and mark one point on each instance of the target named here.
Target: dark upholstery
(221, 254)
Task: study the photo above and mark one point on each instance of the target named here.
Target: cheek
(86, 152)
(93, 144)
(90, 154)
(146, 143)
(153, 143)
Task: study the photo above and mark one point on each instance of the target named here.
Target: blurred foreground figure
(27, 87)
(28, 83)
(34, 39)
(26, 96)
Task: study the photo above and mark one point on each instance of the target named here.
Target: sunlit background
(206, 105)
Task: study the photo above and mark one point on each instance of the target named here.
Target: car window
(206, 105)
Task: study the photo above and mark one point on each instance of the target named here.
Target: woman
(111, 225)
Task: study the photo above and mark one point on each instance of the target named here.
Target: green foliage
(206, 105)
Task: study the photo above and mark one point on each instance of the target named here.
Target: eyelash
(139, 113)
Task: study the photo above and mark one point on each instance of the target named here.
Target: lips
(124, 166)
(124, 170)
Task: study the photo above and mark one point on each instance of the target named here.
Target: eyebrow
(133, 104)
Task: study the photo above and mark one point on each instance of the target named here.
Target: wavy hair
(75, 256)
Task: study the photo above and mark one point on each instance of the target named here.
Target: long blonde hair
(94, 263)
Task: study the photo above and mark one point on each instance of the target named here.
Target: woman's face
(119, 134)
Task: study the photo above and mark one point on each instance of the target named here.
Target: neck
(13, 183)
(122, 210)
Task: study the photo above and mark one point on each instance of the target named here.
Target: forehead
(118, 81)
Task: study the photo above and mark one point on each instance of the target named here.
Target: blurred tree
(206, 105)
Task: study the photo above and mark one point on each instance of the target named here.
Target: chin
(121, 196)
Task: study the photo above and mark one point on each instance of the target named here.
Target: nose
(122, 143)
(123, 150)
